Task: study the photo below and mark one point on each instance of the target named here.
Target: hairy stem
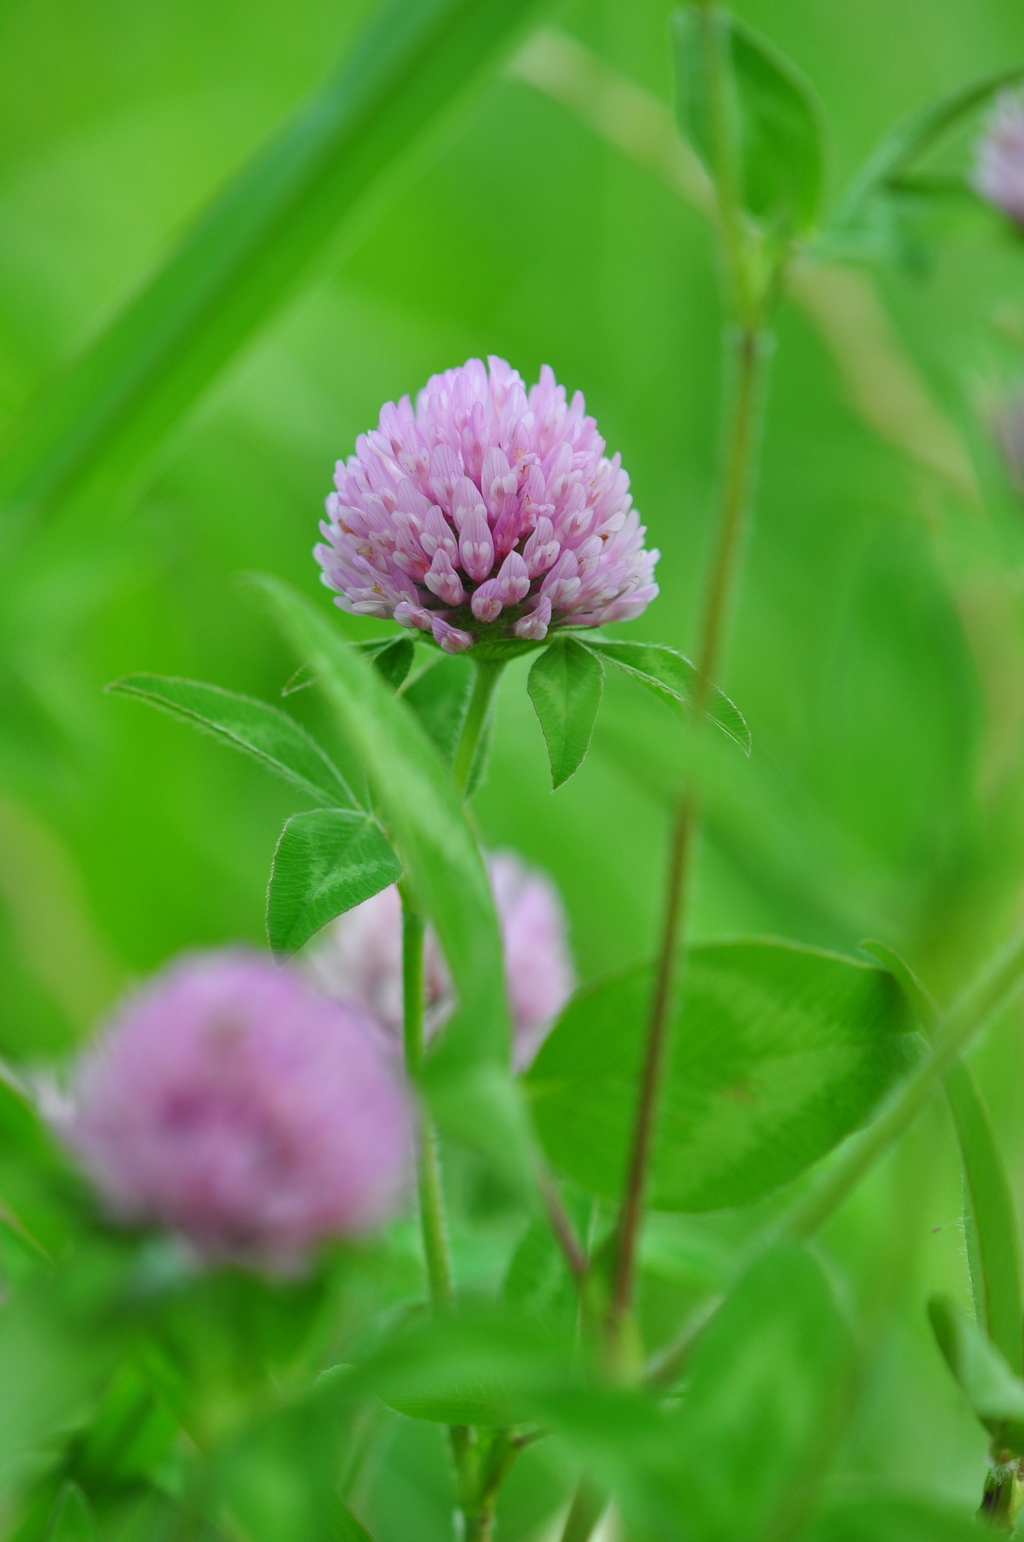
(749, 348)
(988, 995)
(488, 673)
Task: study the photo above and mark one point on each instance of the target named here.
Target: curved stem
(993, 991)
(750, 350)
(488, 672)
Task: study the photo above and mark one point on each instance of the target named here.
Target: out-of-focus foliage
(877, 657)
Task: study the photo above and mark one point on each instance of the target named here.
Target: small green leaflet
(254, 727)
(669, 675)
(773, 153)
(991, 1388)
(393, 656)
(326, 861)
(565, 686)
(778, 1052)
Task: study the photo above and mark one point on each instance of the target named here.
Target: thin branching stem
(748, 347)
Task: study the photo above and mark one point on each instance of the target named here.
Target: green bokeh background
(878, 648)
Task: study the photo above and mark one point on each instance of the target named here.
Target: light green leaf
(763, 1398)
(245, 251)
(778, 1052)
(990, 1217)
(467, 1074)
(991, 1388)
(254, 727)
(565, 686)
(669, 675)
(772, 116)
(915, 134)
(326, 862)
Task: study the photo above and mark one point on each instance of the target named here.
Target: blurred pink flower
(232, 1102)
(358, 958)
(999, 169)
(486, 512)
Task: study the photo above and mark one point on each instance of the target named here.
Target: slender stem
(989, 994)
(488, 672)
(431, 1196)
(588, 1505)
(561, 1224)
(750, 351)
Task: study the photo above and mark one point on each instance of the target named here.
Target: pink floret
(486, 511)
(999, 170)
(234, 1104)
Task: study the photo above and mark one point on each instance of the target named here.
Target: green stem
(988, 995)
(488, 672)
(750, 351)
(431, 1197)
(588, 1505)
(1001, 1499)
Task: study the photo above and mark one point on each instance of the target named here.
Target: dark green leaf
(771, 116)
(245, 251)
(990, 1217)
(131, 1433)
(439, 697)
(278, 1482)
(565, 686)
(254, 727)
(326, 861)
(669, 675)
(393, 656)
(471, 1091)
(892, 1520)
(778, 1052)
(991, 1388)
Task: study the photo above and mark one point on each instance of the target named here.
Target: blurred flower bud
(358, 958)
(999, 168)
(486, 512)
(233, 1103)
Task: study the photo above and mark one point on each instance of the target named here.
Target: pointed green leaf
(917, 133)
(991, 1388)
(990, 1217)
(778, 1052)
(326, 862)
(254, 727)
(669, 675)
(71, 1519)
(467, 1074)
(565, 686)
(245, 251)
(771, 117)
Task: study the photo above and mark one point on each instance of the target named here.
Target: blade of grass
(244, 253)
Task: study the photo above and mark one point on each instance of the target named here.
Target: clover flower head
(233, 1103)
(486, 511)
(999, 168)
(359, 957)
